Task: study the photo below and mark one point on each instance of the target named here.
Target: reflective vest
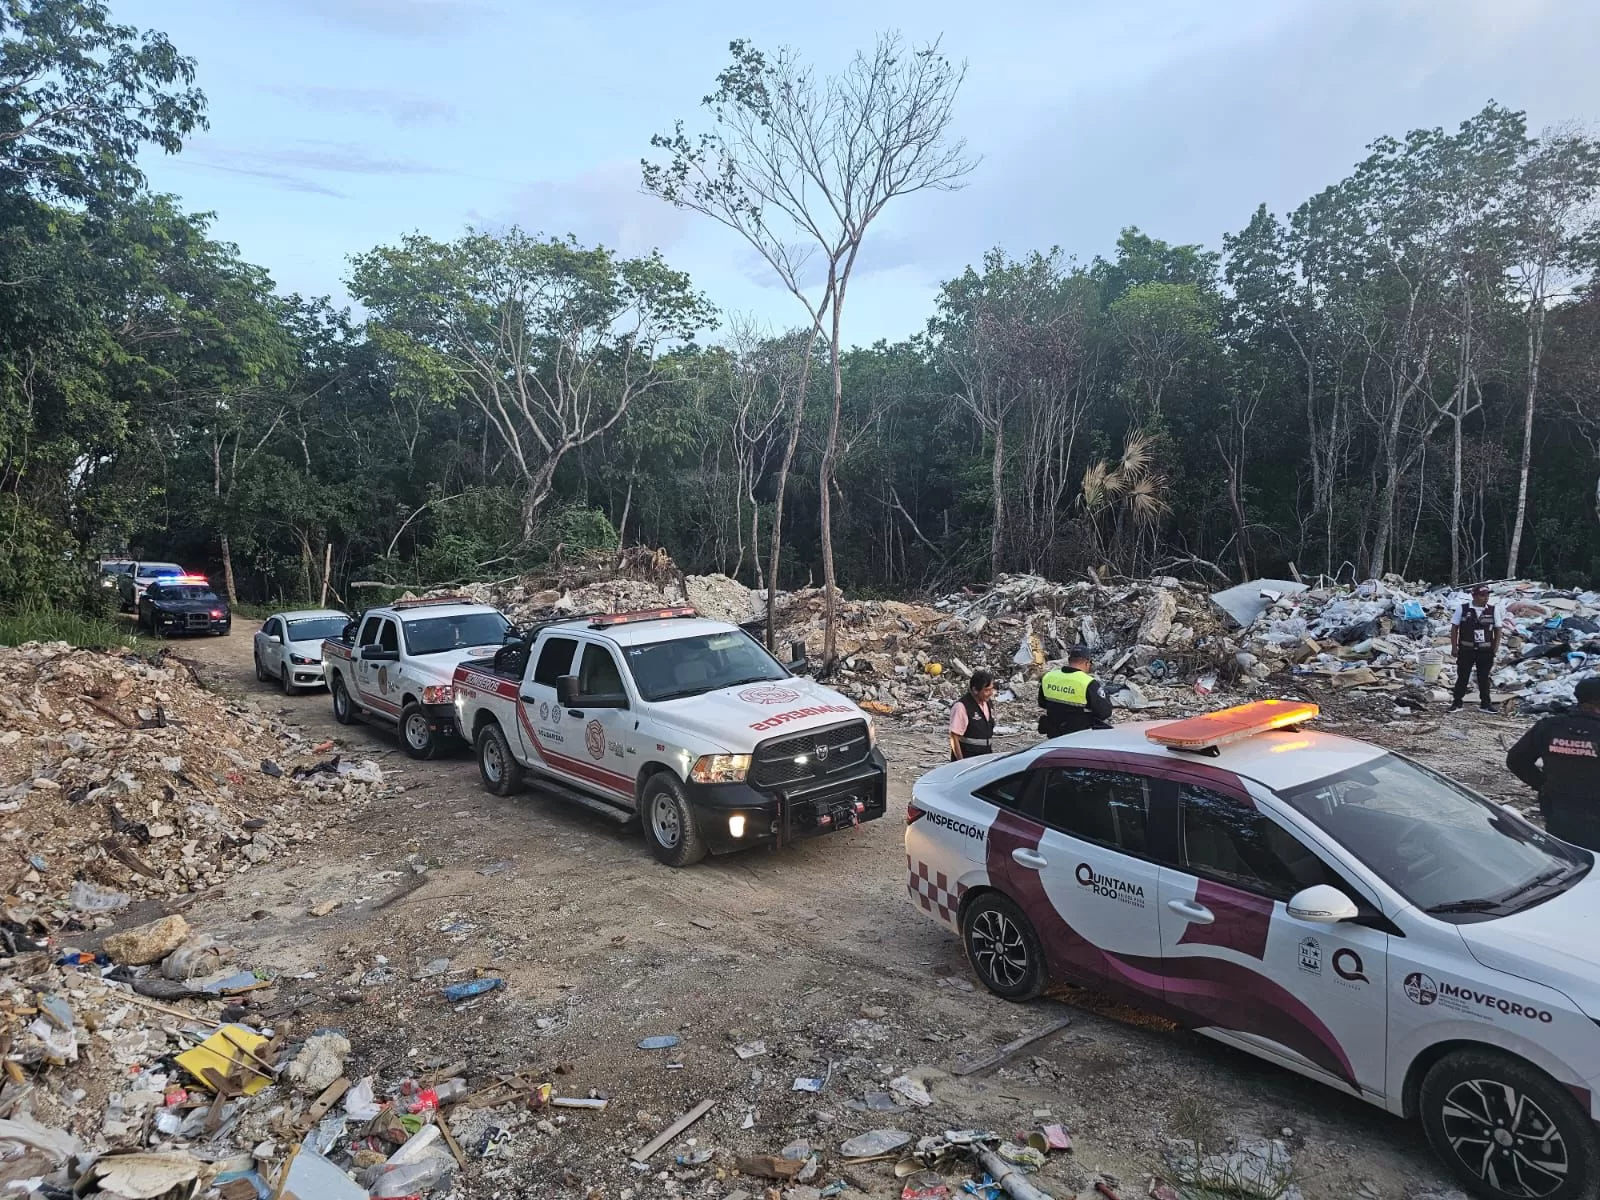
(1067, 687)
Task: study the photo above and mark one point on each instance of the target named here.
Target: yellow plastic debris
(934, 668)
(221, 1053)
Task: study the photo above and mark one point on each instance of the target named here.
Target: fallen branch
(1004, 1052)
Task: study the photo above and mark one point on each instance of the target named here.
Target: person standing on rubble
(1073, 699)
(1560, 756)
(1474, 643)
(972, 719)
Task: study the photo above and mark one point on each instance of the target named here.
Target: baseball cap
(1078, 652)
(1588, 690)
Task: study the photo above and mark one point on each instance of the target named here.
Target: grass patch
(38, 624)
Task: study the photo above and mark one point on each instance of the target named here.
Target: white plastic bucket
(1431, 661)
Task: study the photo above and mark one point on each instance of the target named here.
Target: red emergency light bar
(196, 579)
(1210, 730)
(648, 614)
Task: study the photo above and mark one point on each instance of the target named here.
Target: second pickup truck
(687, 722)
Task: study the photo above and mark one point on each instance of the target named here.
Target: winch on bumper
(798, 786)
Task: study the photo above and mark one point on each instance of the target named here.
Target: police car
(1312, 899)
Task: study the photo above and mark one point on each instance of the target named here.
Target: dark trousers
(1572, 819)
(1469, 658)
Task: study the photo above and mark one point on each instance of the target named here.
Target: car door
(1079, 864)
(271, 652)
(606, 729)
(1309, 994)
(366, 672)
(540, 727)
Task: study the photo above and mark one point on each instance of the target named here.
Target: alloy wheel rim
(664, 820)
(998, 949)
(1504, 1138)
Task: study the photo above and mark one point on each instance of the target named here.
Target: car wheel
(415, 737)
(1002, 947)
(261, 670)
(343, 710)
(501, 773)
(286, 678)
(1507, 1130)
(669, 824)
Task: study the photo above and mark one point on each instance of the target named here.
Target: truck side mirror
(567, 691)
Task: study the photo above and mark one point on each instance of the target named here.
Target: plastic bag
(413, 1178)
(359, 1102)
(85, 897)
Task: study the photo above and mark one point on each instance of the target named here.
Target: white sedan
(1311, 899)
(288, 647)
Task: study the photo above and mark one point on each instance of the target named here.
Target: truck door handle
(527, 699)
(1022, 856)
(1198, 913)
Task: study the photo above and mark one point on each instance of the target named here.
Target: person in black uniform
(1475, 642)
(1073, 699)
(1560, 756)
(972, 719)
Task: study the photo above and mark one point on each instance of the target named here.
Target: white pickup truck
(395, 665)
(686, 722)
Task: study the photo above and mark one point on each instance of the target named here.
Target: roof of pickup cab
(646, 632)
(423, 612)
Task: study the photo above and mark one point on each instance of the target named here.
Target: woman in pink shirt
(972, 719)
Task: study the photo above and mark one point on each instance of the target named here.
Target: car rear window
(180, 591)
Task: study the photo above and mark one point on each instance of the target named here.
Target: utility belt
(984, 744)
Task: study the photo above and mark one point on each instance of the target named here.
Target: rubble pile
(1393, 636)
(122, 777)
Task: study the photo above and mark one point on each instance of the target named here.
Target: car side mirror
(1322, 904)
(275, 639)
(567, 691)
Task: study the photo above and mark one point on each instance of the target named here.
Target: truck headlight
(720, 768)
(442, 693)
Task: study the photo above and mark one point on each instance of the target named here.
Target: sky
(340, 125)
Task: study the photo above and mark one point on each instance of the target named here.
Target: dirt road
(814, 951)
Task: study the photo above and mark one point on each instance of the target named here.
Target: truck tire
(1506, 1129)
(344, 711)
(416, 739)
(501, 774)
(669, 824)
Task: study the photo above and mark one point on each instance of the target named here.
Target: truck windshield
(694, 665)
(158, 570)
(434, 635)
(315, 629)
(1443, 848)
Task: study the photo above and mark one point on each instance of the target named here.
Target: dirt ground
(815, 951)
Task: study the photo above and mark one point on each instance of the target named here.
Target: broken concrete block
(147, 944)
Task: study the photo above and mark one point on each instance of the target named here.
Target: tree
(1554, 235)
(80, 96)
(791, 158)
(551, 341)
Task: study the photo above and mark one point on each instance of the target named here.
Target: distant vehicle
(395, 665)
(132, 583)
(183, 604)
(1310, 899)
(288, 646)
(112, 570)
(686, 722)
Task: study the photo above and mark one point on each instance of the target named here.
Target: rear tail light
(913, 812)
(440, 694)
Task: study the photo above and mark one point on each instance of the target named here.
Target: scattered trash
(875, 1144)
(643, 1153)
(751, 1049)
(663, 1041)
(472, 987)
(809, 1084)
(910, 1091)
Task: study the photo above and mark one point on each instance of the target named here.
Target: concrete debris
(320, 1062)
(147, 943)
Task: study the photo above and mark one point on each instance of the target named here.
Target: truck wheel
(1506, 1129)
(415, 737)
(1002, 948)
(502, 774)
(343, 710)
(669, 824)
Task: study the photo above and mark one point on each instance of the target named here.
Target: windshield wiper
(1476, 904)
(1538, 881)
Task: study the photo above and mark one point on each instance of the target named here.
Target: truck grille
(824, 752)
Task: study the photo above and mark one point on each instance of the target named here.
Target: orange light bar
(1230, 724)
(649, 614)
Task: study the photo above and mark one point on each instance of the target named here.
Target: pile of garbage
(123, 777)
(1393, 636)
(111, 1093)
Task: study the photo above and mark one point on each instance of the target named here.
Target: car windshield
(315, 629)
(158, 570)
(434, 635)
(693, 665)
(1442, 847)
(180, 591)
